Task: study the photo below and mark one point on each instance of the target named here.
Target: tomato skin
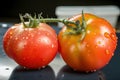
(31, 47)
(95, 50)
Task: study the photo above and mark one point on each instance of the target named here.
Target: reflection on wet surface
(66, 73)
(20, 73)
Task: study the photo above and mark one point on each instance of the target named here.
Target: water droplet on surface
(26, 29)
(26, 37)
(96, 46)
(24, 67)
(16, 38)
(11, 37)
(48, 34)
(94, 70)
(107, 63)
(112, 54)
(32, 35)
(11, 33)
(107, 51)
(88, 31)
(52, 45)
(43, 66)
(112, 36)
(106, 35)
(87, 45)
(99, 42)
(23, 38)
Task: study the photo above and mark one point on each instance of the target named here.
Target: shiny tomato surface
(32, 48)
(96, 48)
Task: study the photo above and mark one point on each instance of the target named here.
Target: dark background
(10, 9)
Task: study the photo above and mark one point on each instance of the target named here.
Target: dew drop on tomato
(96, 46)
(11, 33)
(48, 34)
(106, 35)
(43, 66)
(99, 42)
(107, 51)
(112, 36)
(87, 45)
(112, 54)
(52, 45)
(93, 71)
(26, 37)
(16, 38)
(43, 60)
(23, 38)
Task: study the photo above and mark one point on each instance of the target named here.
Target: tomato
(31, 47)
(90, 49)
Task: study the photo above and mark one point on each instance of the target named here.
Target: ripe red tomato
(31, 47)
(91, 49)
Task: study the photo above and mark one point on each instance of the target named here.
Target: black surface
(56, 70)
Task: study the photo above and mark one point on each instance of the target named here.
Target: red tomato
(89, 51)
(31, 47)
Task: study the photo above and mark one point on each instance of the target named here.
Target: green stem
(78, 29)
(33, 22)
(64, 21)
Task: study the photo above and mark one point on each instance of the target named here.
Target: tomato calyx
(33, 22)
(77, 29)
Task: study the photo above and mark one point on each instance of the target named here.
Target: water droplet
(107, 51)
(48, 34)
(88, 31)
(93, 70)
(26, 37)
(16, 38)
(87, 45)
(96, 46)
(112, 36)
(26, 29)
(107, 63)
(112, 54)
(11, 33)
(23, 38)
(106, 35)
(11, 37)
(99, 42)
(43, 66)
(24, 67)
(52, 45)
(32, 35)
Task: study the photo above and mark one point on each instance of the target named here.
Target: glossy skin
(95, 50)
(32, 48)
